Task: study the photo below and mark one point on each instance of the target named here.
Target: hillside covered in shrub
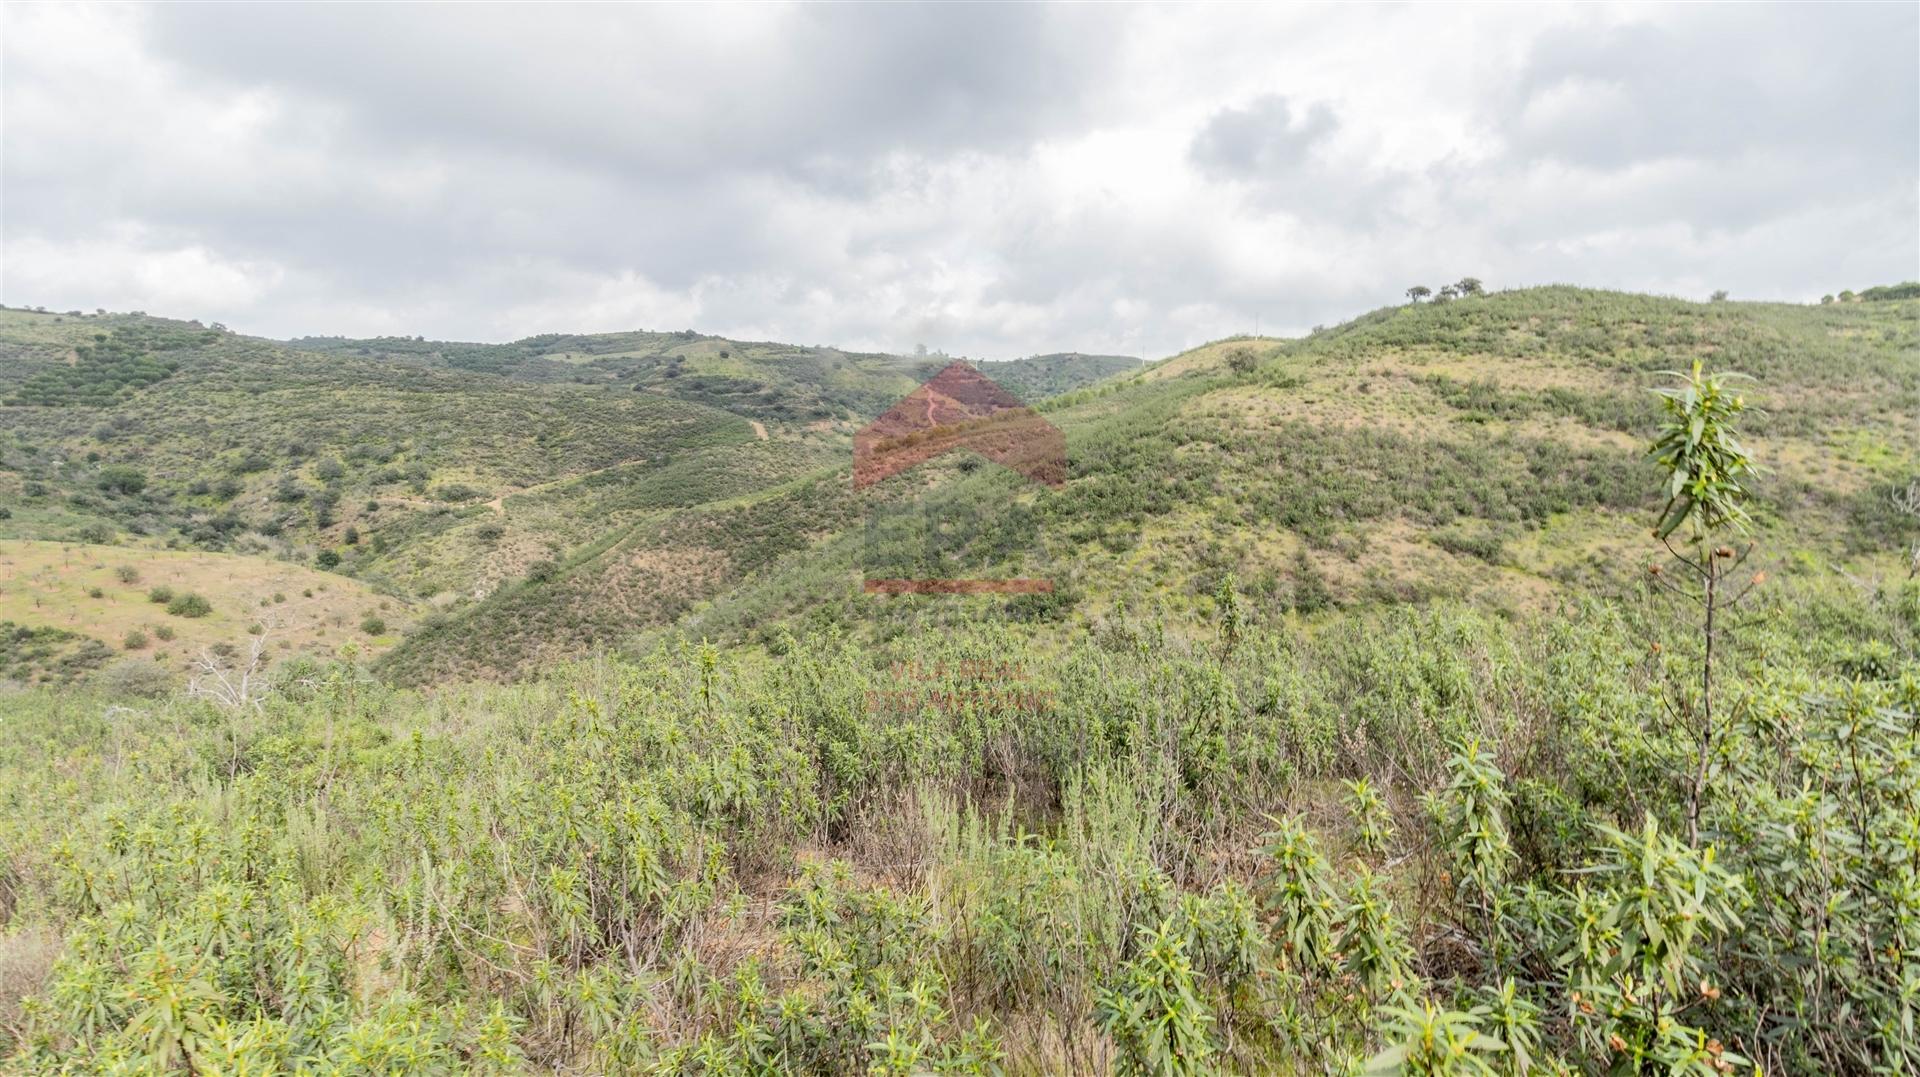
(1525, 683)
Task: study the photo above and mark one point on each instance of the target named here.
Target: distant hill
(432, 472)
(1042, 376)
(531, 501)
(765, 380)
(1488, 448)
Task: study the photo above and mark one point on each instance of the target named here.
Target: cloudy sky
(990, 180)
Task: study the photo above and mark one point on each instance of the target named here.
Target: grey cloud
(1838, 79)
(876, 175)
(1268, 149)
(608, 138)
(668, 91)
(1263, 138)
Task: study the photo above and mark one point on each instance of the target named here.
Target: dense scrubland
(1428, 838)
(1367, 729)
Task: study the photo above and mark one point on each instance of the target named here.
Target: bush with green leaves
(189, 605)
(1154, 1013)
(799, 872)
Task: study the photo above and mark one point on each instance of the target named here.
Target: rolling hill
(1356, 734)
(542, 499)
(432, 473)
(1489, 449)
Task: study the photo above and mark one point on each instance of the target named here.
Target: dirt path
(499, 506)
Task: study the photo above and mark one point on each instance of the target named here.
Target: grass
(47, 584)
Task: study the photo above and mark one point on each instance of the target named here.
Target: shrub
(1155, 1014)
(127, 574)
(189, 605)
(373, 626)
(135, 677)
(120, 479)
(160, 593)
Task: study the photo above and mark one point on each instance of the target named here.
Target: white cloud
(989, 180)
(125, 271)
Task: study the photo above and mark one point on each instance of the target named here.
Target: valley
(959, 540)
(517, 708)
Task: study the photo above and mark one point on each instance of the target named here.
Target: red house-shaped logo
(960, 408)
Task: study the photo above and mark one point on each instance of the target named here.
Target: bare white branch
(240, 685)
(1907, 503)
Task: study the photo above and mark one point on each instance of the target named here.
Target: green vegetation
(1041, 376)
(189, 605)
(839, 856)
(1881, 293)
(1365, 728)
(43, 655)
(111, 368)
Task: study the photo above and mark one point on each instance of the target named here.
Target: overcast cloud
(990, 180)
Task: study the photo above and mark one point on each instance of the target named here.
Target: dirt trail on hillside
(498, 504)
